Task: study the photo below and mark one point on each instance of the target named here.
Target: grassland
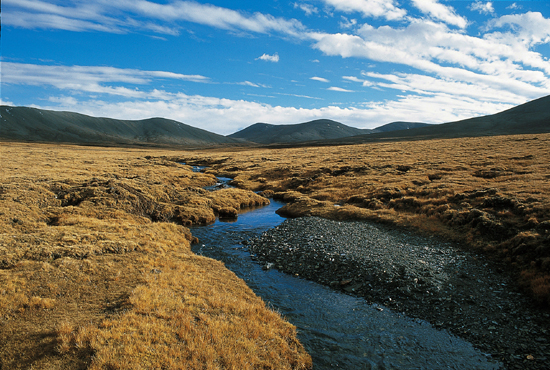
(95, 263)
(96, 269)
(492, 194)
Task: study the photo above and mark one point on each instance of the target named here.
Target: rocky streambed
(421, 277)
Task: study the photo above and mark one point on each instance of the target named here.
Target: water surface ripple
(339, 331)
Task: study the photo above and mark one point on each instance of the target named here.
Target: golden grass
(96, 268)
(95, 263)
(492, 193)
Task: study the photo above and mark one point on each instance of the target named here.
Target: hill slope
(530, 118)
(322, 129)
(396, 126)
(30, 124)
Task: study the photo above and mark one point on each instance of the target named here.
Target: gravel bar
(422, 277)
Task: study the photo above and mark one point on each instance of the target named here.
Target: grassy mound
(96, 269)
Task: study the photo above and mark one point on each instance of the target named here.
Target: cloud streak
(369, 8)
(483, 8)
(88, 78)
(306, 8)
(269, 58)
(320, 79)
(441, 12)
(338, 89)
(503, 60)
(124, 16)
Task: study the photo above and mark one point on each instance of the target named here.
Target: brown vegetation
(491, 193)
(96, 269)
(95, 263)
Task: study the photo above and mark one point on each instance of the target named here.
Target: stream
(339, 331)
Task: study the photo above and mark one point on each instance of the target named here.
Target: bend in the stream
(339, 331)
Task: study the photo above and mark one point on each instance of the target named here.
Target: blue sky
(224, 65)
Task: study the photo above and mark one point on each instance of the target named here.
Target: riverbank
(338, 330)
(421, 277)
(491, 194)
(96, 267)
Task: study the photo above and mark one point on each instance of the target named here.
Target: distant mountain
(36, 125)
(396, 126)
(30, 124)
(530, 118)
(321, 129)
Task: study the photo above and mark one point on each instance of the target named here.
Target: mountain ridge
(38, 125)
(532, 117)
(399, 125)
(320, 129)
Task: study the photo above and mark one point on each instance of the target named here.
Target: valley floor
(95, 263)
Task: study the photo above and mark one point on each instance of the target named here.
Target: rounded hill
(321, 129)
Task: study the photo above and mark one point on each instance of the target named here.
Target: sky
(225, 65)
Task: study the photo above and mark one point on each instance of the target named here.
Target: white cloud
(122, 16)
(514, 6)
(87, 78)
(6, 102)
(269, 58)
(307, 8)
(439, 108)
(348, 23)
(530, 28)
(369, 8)
(482, 8)
(320, 79)
(352, 78)
(427, 85)
(81, 16)
(211, 15)
(64, 101)
(355, 79)
(499, 59)
(48, 21)
(248, 83)
(300, 96)
(339, 89)
(441, 12)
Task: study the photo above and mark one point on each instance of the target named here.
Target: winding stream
(339, 331)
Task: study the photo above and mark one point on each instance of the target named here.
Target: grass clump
(173, 325)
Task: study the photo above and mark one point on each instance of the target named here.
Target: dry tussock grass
(96, 269)
(492, 193)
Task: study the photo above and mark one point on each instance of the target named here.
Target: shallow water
(339, 331)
